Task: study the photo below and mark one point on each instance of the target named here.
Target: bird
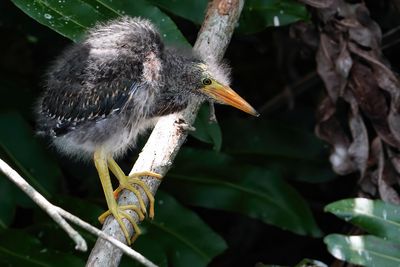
(104, 91)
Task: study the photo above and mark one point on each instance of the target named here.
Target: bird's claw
(184, 126)
(130, 183)
(119, 213)
(133, 179)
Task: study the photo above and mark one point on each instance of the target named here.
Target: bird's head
(212, 82)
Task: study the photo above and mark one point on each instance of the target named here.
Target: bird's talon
(136, 175)
(133, 179)
(120, 213)
(125, 184)
(107, 213)
(128, 182)
(186, 128)
(103, 216)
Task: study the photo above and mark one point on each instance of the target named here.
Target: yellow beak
(225, 95)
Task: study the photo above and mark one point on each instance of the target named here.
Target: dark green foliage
(18, 143)
(303, 263)
(19, 248)
(241, 167)
(256, 15)
(207, 131)
(181, 236)
(377, 218)
(73, 18)
(221, 182)
(364, 250)
(8, 203)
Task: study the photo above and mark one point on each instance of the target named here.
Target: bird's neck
(173, 97)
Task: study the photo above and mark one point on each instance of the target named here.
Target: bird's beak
(225, 95)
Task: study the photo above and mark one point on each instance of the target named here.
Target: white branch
(167, 136)
(80, 243)
(58, 215)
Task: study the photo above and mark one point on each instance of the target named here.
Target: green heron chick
(102, 92)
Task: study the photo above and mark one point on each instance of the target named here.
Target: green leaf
(259, 14)
(12, 88)
(60, 16)
(72, 18)
(183, 239)
(22, 148)
(50, 234)
(311, 263)
(190, 10)
(364, 250)
(374, 216)
(216, 181)
(292, 150)
(256, 14)
(81, 208)
(18, 248)
(303, 263)
(207, 131)
(270, 138)
(7, 202)
(167, 27)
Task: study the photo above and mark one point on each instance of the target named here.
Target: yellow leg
(127, 182)
(119, 212)
(123, 184)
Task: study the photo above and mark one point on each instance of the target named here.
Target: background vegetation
(241, 192)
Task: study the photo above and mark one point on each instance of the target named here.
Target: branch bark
(168, 135)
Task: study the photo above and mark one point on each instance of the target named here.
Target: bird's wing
(102, 75)
(65, 112)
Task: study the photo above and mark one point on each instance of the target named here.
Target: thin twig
(91, 229)
(167, 136)
(58, 214)
(297, 88)
(80, 243)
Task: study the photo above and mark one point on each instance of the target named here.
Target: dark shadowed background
(246, 191)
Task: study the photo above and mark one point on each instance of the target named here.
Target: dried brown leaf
(372, 101)
(329, 129)
(328, 51)
(386, 178)
(359, 148)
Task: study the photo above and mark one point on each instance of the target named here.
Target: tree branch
(168, 135)
(58, 215)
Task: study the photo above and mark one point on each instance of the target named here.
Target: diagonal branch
(168, 134)
(43, 203)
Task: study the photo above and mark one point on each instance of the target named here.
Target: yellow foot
(119, 212)
(127, 182)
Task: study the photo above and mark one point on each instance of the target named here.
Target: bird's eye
(206, 81)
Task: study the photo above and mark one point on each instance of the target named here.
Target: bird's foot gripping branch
(105, 163)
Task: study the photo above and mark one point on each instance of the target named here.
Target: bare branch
(80, 243)
(167, 136)
(91, 229)
(58, 215)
